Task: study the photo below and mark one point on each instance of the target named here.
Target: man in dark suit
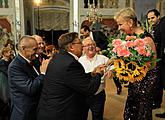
(153, 17)
(98, 36)
(24, 81)
(66, 84)
(159, 35)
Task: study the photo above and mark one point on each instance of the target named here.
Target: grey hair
(24, 41)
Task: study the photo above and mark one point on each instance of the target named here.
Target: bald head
(26, 42)
(27, 47)
(88, 40)
(89, 47)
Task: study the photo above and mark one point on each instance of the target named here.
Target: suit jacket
(159, 36)
(25, 87)
(4, 87)
(65, 89)
(100, 39)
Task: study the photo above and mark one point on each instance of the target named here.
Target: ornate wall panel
(53, 15)
(52, 19)
(161, 7)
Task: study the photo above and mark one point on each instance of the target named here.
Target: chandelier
(94, 15)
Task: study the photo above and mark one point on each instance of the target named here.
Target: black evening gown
(140, 96)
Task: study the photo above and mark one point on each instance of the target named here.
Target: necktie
(40, 59)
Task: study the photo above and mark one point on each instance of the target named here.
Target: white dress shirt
(89, 65)
(91, 35)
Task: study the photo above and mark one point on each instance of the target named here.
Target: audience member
(40, 54)
(10, 44)
(90, 60)
(24, 81)
(67, 85)
(50, 50)
(98, 36)
(4, 85)
(101, 44)
(159, 35)
(153, 17)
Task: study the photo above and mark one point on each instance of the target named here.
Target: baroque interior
(51, 18)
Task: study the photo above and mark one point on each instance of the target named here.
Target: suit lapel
(27, 67)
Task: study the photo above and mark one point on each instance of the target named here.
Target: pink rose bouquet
(132, 56)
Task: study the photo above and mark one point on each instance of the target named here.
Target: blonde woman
(139, 100)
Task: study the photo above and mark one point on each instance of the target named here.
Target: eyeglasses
(90, 45)
(77, 43)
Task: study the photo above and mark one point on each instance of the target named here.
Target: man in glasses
(98, 36)
(67, 85)
(90, 60)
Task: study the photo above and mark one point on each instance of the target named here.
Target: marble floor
(114, 105)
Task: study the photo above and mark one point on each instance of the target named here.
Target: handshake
(104, 70)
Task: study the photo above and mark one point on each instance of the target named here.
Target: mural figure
(1, 3)
(6, 4)
(111, 3)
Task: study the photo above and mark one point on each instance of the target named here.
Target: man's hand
(108, 75)
(99, 69)
(44, 65)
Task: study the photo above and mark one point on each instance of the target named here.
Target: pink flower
(123, 53)
(130, 44)
(148, 53)
(139, 42)
(116, 42)
(141, 50)
(118, 48)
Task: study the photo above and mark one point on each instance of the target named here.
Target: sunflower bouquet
(132, 57)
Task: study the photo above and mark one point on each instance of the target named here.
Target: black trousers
(117, 83)
(4, 110)
(158, 92)
(96, 105)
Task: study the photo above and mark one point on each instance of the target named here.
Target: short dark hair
(66, 38)
(85, 27)
(156, 12)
